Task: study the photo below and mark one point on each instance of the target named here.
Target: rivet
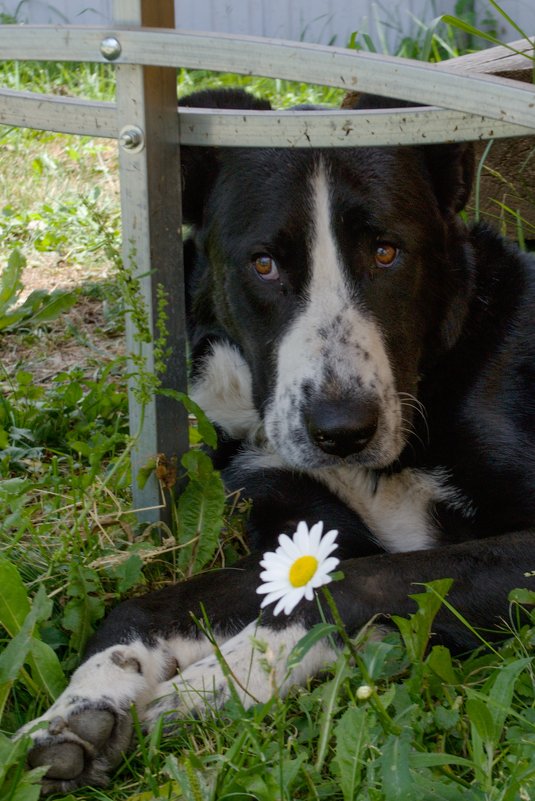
(110, 47)
(131, 138)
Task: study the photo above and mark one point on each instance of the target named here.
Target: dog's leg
(254, 662)
(89, 725)
(141, 644)
(253, 665)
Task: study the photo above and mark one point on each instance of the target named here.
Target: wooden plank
(152, 250)
(481, 94)
(508, 169)
(512, 60)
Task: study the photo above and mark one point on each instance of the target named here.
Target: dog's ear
(200, 165)
(451, 167)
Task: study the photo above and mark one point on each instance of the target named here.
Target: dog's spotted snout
(340, 428)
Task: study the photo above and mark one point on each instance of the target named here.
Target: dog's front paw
(83, 734)
(81, 745)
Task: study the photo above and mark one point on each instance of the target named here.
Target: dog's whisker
(409, 401)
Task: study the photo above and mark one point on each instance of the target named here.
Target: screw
(110, 47)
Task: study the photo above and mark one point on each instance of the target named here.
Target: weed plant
(390, 720)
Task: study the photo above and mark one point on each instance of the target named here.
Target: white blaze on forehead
(330, 340)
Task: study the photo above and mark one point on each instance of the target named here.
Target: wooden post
(149, 164)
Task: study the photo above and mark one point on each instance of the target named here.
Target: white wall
(325, 21)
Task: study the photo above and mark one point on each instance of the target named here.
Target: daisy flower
(298, 566)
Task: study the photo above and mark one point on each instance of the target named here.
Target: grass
(391, 722)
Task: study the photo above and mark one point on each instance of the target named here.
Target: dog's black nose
(342, 429)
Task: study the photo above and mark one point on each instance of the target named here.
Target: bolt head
(110, 47)
(131, 138)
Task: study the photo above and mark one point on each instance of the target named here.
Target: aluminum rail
(225, 128)
(481, 95)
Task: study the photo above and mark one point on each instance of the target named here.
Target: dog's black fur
(369, 360)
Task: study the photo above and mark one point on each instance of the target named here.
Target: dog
(368, 359)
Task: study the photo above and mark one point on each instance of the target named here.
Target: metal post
(149, 165)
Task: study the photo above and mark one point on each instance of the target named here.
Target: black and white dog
(370, 362)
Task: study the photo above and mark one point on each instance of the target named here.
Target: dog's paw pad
(94, 726)
(66, 759)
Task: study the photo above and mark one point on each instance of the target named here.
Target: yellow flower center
(302, 570)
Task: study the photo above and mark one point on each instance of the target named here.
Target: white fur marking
(330, 340)
(224, 391)
(397, 508)
(257, 658)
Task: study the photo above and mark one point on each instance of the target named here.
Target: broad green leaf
(22, 785)
(204, 426)
(432, 760)
(351, 735)
(191, 783)
(56, 303)
(27, 648)
(15, 653)
(316, 633)
(169, 790)
(14, 603)
(200, 513)
(86, 606)
(15, 783)
(497, 701)
(198, 465)
(398, 784)
(331, 701)
(522, 596)
(417, 628)
(441, 789)
(10, 283)
(479, 715)
(46, 668)
(439, 660)
(129, 572)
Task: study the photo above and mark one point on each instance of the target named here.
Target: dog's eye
(265, 267)
(385, 254)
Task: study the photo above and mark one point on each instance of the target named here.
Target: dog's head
(338, 275)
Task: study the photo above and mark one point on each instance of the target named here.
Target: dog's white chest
(397, 508)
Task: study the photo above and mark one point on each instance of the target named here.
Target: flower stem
(386, 721)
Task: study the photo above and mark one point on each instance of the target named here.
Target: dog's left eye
(265, 267)
(385, 254)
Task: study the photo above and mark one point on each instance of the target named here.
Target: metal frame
(147, 49)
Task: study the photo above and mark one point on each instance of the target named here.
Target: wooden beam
(149, 164)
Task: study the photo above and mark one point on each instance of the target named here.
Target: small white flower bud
(364, 692)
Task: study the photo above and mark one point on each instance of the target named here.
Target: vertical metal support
(149, 165)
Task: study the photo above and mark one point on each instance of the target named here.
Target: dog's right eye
(265, 267)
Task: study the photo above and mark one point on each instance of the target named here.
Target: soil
(85, 336)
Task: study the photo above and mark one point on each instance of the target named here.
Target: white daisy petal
(273, 596)
(302, 538)
(280, 606)
(309, 591)
(270, 560)
(292, 599)
(287, 547)
(321, 580)
(315, 534)
(274, 586)
(330, 564)
(327, 544)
